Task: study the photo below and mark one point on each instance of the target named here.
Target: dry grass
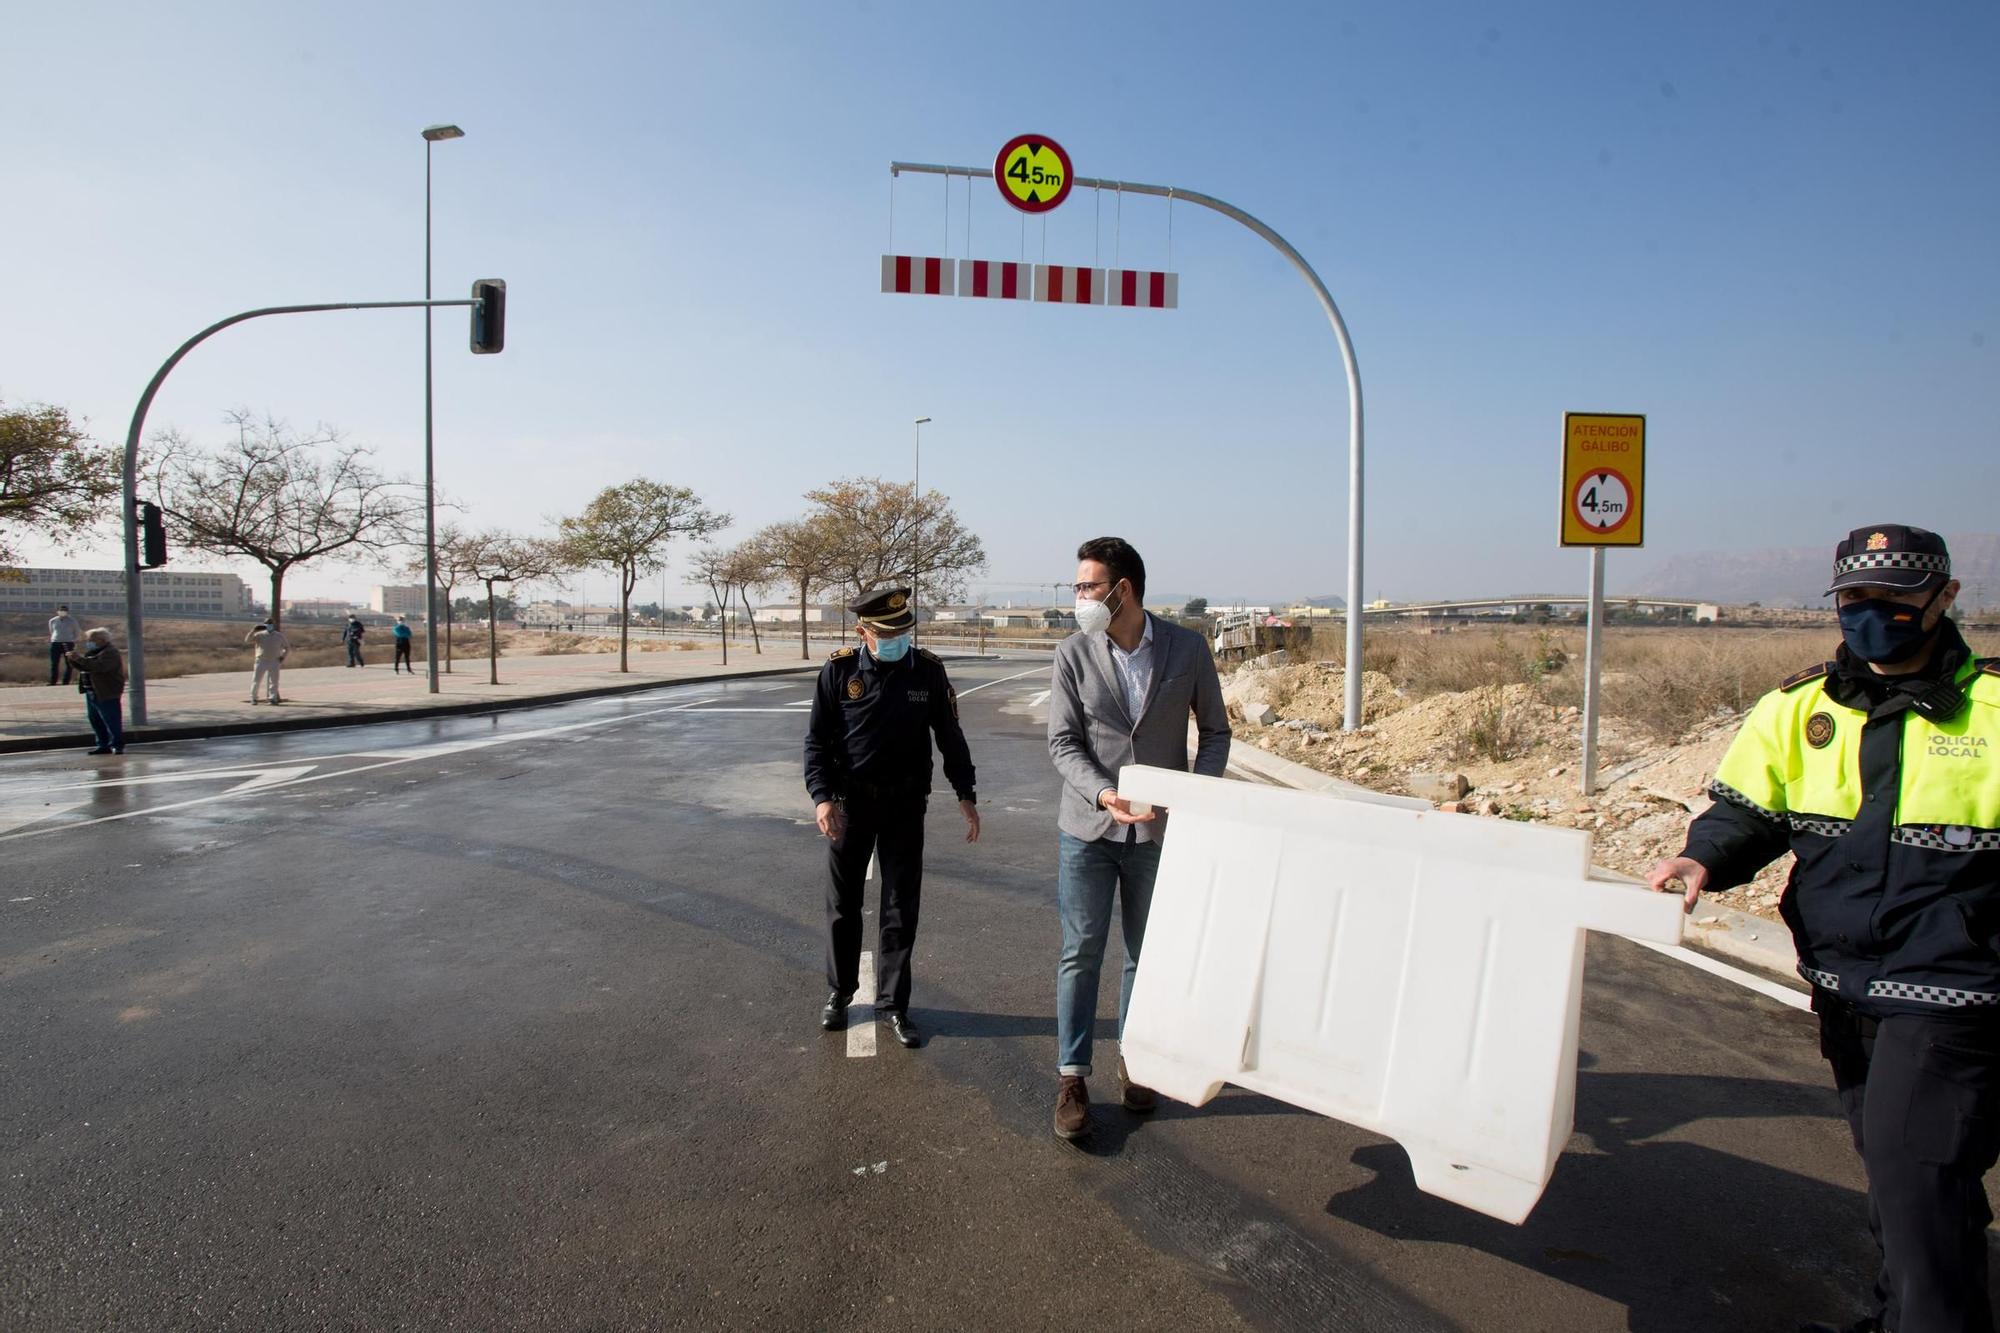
(1667, 682)
(181, 647)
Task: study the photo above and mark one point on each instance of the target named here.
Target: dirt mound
(1518, 751)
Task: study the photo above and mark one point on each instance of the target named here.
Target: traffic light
(489, 317)
(153, 530)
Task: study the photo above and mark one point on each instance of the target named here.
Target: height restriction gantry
(1351, 719)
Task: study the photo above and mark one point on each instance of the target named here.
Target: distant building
(816, 614)
(398, 599)
(101, 592)
(1031, 617)
(543, 615)
(319, 608)
(959, 615)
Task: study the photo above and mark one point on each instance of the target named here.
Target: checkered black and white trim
(1938, 995)
(1722, 791)
(1823, 980)
(1929, 564)
(1825, 828)
(1943, 838)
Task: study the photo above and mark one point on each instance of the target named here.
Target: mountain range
(1798, 575)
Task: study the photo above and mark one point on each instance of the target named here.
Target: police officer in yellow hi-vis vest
(1881, 770)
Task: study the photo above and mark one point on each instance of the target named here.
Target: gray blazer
(1091, 736)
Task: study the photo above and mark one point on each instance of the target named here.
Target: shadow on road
(1639, 1221)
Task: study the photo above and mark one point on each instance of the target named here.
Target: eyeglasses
(1081, 588)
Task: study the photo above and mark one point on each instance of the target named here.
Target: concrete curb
(25, 744)
(1735, 936)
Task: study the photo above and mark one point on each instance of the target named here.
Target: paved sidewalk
(34, 717)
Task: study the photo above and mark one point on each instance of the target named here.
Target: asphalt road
(510, 1021)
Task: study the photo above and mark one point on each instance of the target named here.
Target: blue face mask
(892, 649)
(1885, 632)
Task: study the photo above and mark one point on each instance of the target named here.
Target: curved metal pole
(1352, 713)
(135, 648)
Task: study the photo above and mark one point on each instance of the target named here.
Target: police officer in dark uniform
(868, 770)
(1881, 770)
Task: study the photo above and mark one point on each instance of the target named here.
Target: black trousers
(58, 662)
(1922, 1097)
(892, 828)
(402, 656)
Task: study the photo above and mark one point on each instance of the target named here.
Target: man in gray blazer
(1120, 693)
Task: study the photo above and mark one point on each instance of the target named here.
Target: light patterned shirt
(1135, 670)
(1135, 674)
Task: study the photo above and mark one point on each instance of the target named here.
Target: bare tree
(714, 566)
(800, 553)
(280, 498)
(505, 557)
(745, 566)
(453, 545)
(628, 528)
(884, 532)
(53, 480)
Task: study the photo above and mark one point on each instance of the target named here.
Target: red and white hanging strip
(997, 279)
(921, 275)
(1064, 284)
(1146, 289)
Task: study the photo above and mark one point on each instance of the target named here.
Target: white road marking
(1039, 671)
(388, 759)
(1037, 699)
(30, 811)
(1748, 980)
(861, 1016)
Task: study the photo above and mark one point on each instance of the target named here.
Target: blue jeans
(107, 721)
(1087, 875)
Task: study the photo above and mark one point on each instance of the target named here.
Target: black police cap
(1890, 555)
(886, 611)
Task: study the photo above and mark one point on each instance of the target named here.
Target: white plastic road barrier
(1415, 973)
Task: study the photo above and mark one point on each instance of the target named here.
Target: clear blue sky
(1772, 228)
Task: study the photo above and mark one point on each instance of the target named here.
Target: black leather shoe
(834, 1015)
(904, 1030)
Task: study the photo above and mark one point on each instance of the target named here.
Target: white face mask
(1093, 617)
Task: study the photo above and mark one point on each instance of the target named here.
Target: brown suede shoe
(1072, 1107)
(1134, 1098)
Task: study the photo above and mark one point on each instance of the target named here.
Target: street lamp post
(917, 523)
(431, 135)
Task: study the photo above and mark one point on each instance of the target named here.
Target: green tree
(801, 553)
(627, 528)
(1196, 608)
(881, 533)
(54, 482)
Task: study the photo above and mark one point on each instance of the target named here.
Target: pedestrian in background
(1120, 692)
(62, 641)
(402, 633)
(101, 680)
(272, 649)
(351, 636)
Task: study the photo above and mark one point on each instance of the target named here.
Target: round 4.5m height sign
(1602, 502)
(1033, 173)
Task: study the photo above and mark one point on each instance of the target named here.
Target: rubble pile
(1498, 752)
